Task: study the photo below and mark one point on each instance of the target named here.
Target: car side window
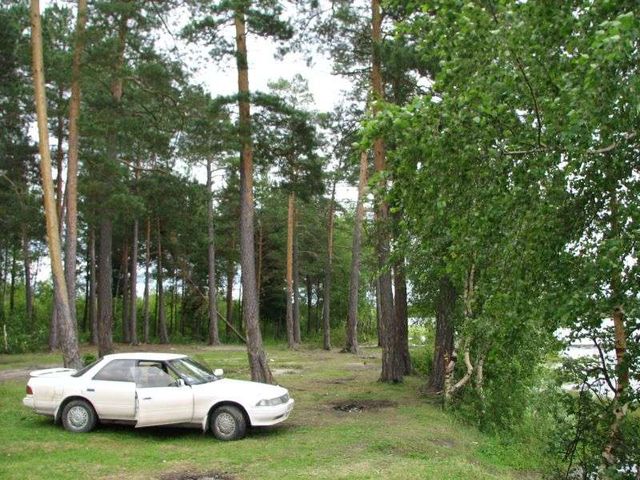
(152, 374)
(117, 371)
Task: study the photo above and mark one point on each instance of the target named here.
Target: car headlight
(272, 402)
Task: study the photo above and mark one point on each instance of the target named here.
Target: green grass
(413, 439)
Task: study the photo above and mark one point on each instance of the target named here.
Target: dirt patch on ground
(339, 381)
(190, 475)
(443, 443)
(15, 374)
(286, 371)
(356, 406)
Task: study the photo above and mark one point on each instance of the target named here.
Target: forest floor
(345, 425)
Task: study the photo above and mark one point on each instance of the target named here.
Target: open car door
(162, 398)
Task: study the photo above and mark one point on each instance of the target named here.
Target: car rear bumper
(264, 416)
(29, 402)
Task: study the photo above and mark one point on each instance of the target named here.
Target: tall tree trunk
(326, 301)
(93, 298)
(290, 226)
(401, 314)
(379, 325)
(28, 291)
(620, 402)
(85, 309)
(214, 337)
(392, 365)
(309, 286)
(133, 315)
(67, 327)
(260, 259)
(356, 248)
(105, 289)
(145, 299)
(162, 320)
(126, 328)
(59, 160)
(296, 280)
(72, 163)
(12, 289)
(231, 273)
(257, 358)
(443, 345)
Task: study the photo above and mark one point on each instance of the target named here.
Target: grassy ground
(403, 435)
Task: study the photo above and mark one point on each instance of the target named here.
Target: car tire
(228, 423)
(78, 416)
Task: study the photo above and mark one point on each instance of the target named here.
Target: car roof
(144, 356)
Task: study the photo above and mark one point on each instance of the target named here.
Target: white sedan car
(148, 389)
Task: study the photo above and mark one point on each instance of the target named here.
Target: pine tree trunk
(231, 273)
(126, 328)
(326, 301)
(401, 315)
(392, 365)
(93, 298)
(162, 320)
(145, 300)
(105, 289)
(356, 248)
(257, 358)
(443, 345)
(214, 337)
(309, 286)
(296, 280)
(12, 288)
(290, 327)
(72, 164)
(133, 301)
(67, 328)
(28, 291)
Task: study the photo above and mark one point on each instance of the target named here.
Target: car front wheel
(78, 416)
(228, 423)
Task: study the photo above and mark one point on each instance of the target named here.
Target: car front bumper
(264, 416)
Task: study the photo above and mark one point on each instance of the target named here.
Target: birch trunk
(68, 337)
(290, 327)
(214, 337)
(28, 289)
(231, 273)
(145, 300)
(93, 299)
(443, 346)
(162, 319)
(133, 301)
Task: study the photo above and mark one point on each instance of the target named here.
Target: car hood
(53, 372)
(244, 389)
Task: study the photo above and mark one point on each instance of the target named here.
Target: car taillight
(29, 391)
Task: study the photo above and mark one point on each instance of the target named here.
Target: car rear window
(117, 371)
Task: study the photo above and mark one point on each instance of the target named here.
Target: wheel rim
(225, 423)
(78, 417)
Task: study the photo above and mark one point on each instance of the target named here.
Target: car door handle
(91, 390)
(146, 398)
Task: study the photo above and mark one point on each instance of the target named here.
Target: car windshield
(192, 372)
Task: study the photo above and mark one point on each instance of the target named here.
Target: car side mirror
(218, 372)
(180, 383)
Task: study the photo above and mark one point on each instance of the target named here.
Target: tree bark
(162, 320)
(231, 273)
(309, 286)
(356, 248)
(93, 299)
(326, 302)
(133, 315)
(28, 289)
(296, 288)
(214, 337)
(443, 346)
(257, 358)
(392, 365)
(126, 327)
(105, 289)
(401, 315)
(145, 300)
(290, 225)
(72, 163)
(12, 287)
(68, 341)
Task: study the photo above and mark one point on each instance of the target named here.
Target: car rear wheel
(228, 423)
(78, 416)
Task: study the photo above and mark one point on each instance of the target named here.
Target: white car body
(144, 404)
